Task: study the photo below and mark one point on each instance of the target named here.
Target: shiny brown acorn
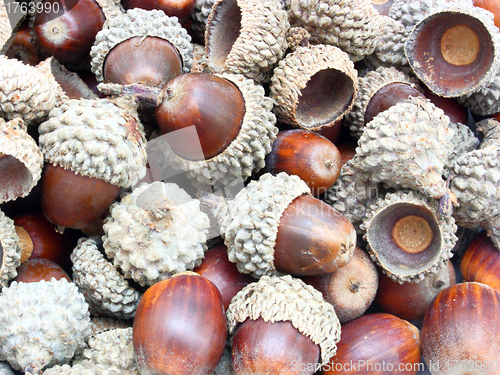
(34, 270)
(22, 47)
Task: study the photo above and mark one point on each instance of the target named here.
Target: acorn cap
(199, 17)
(490, 128)
(5, 369)
(249, 223)
(455, 49)
(484, 101)
(42, 324)
(351, 25)
(27, 92)
(105, 289)
(246, 37)
(244, 155)
(407, 146)
(200, 60)
(284, 298)
(368, 86)
(68, 370)
(140, 23)
(24, 158)
(98, 138)
(111, 8)
(10, 250)
(463, 142)
(310, 73)
(411, 12)
(407, 237)
(103, 323)
(154, 232)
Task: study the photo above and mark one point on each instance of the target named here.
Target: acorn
(172, 8)
(308, 155)
(92, 149)
(351, 289)
(168, 314)
(407, 237)
(302, 327)
(259, 227)
(143, 46)
(34, 270)
(459, 332)
(22, 47)
(481, 262)
(410, 301)
(377, 344)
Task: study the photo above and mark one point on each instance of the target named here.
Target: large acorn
(260, 229)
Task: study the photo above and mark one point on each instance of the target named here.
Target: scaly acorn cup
(143, 46)
(407, 237)
(259, 229)
(247, 37)
(463, 141)
(274, 303)
(21, 160)
(92, 149)
(9, 250)
(154, 232)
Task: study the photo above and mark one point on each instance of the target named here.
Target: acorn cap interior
(452, 53)
(405, 237)
(326, 96)
(16, 178)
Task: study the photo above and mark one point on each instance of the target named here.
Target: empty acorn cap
(21, 160)
(96, 138)
(314, 86)
(284, 298)
(249, 223)
(455, 49)
(140, 23)
(407, 237)
(246, 37)
(10, 251)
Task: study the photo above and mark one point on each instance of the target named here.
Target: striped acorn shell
(105, 289)
(244, 155)
(293, 74)
(260, 43)
(351, 25)
(99, 138)
(18, 144)
(249, 223)
(140, 23)
(283, 298)
(11, 252)
(368, 86)
(384, 211)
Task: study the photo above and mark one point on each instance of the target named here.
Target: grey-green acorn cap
(105, 289)
(368, 86)
(245, 154)
(484, 101)
(25, 160)
(284, 298)
(10, 250)
(323, 67)
(42, 324)
(249, 223)
(252, 46)
(353, 25)
(154, 232)
(96, 138)
(407, 146)
(399, 265)
(140, 23)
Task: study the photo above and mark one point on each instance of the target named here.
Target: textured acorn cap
(105, 289)
(351, 25)
(199, 17)
(154, 232)
(96, 138)
(490, 128)
(284, 298)
(399, 265)
(27, 92)
(249, 223)
(246, 37)
(111, 8)
(368, 86)
(463, 141)
(200, 60)
(21, 158)
(484, 101)
(244, 155)
(407, 146)
(103, 323)
(314, 86)
(10, 250)
(42, 324)
(448, 68)
(69, 370)
(5, 369)
(411, 12)
(140, 23)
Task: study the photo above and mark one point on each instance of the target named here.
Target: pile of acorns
(250, 187)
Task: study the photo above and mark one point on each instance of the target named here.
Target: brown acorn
(22, 47)
(34, 270)
(179, 327)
